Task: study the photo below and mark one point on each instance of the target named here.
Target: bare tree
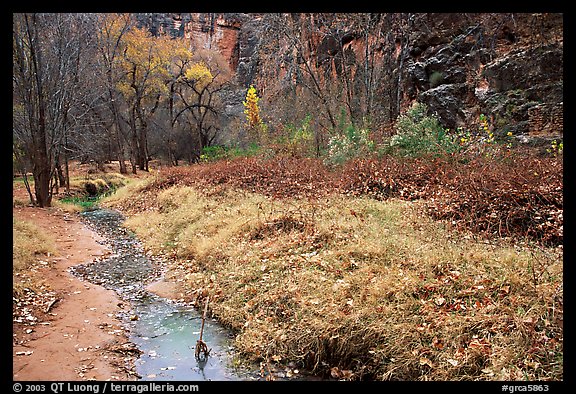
(296, 38)
(48, 62)
(337, 62)
(113, 28)
(199, 103)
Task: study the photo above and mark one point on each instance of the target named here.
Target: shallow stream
(165, 331)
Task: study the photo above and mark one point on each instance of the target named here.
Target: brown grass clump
(29, 245)
(356, 288)
(94, 184)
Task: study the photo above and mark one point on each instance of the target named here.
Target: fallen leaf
(528, 320)
(437, 343)
(335, 372)
(467, 292)
(452, 362)
(425, 361)
(480, 344)
(488, 371)
(505, 290)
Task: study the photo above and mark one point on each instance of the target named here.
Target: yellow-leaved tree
(159, 80)
(199, 74)
(195, 104)
(145, 64)
(254, 122)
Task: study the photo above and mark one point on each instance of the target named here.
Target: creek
(164, 330)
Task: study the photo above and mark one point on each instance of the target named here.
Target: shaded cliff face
(507, 66)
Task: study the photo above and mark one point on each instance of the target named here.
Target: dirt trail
(80, 338)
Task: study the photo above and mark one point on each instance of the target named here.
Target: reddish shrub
(520, 196)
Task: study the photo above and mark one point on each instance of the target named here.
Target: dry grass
(131, 196)
(96, 183)
(358, 288)
(512, 194)
(29, 244)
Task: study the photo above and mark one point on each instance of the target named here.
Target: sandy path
(80, 338)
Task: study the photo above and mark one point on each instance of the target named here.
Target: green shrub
(213, 153)
(300, 139)
(349, 141)
(436, 79)
(220, 152)
(419, 134)
(86, 203)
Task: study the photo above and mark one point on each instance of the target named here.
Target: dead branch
(51, 304)
(202, 350)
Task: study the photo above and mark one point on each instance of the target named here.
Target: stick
(204, 316)
(51, 304)
(201, 347)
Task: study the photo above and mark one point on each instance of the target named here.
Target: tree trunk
(134, 150)
(41, 172)
(22, 167)
(143, 148)
(66, 168)
(119, 135)
(119, 141)
(60, 173)
(41, 158)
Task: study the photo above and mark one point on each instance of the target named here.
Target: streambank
(165, 331)
(65, 329)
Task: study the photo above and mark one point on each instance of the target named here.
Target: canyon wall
(507, 66)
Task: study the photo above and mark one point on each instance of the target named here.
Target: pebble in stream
(165, 331)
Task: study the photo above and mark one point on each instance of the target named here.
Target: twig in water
(202, 350)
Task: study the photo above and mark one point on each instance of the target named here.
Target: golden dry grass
(358, 288)
(101, 182)
(29, 244)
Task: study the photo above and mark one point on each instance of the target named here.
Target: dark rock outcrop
(508, 66)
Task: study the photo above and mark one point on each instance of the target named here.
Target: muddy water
(164, 330)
